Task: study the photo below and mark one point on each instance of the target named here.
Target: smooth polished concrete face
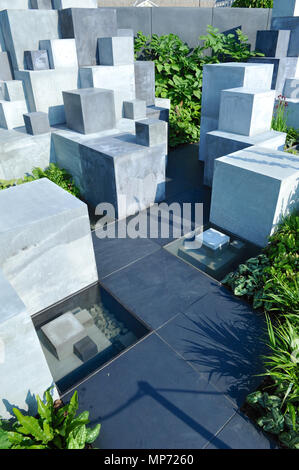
(116, 50)
(46, 248)
(5, 70)
(263, 187)
(37, 123)
(151, 132)
(135, 109)
(145, 81)
(12, 90)
(11, 114)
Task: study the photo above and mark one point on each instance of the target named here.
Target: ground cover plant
(253, 4)
(55, 427)
(55, 174)
(179, 71)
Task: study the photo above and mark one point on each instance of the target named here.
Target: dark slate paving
(150, 398)
(240, 433)
(221, 337)
(183, 165)
(158, 287)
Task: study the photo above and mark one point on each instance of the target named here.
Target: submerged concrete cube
(273, 43)
(116, 50)
(291, 88)
(253, 189)
(5, 70)
(85, 349)
(89, 110)
(12, 90)
(213, 240)
(37, 123)
(135, 109)
(36, 60)
(151, 132)
(22, 361)
(61, 52)
(245, 111)
(86, 25)
(46, 250)
(11, 114)
(145, 81)
(41, 4)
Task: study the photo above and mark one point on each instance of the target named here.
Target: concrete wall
(190, 23)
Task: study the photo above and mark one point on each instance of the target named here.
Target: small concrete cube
(253, 190)
(41, 4)
(37, 123)
(36, 60)
(135, 109)
(116, 50)
(213, 239)
(291, 88)
(246, 112)
(12, 90)
(89, 110)
(5, 70)
(85, 349)
(62, 333)
(273, 43)
(151, 132)
(61, 52)
(84, 317)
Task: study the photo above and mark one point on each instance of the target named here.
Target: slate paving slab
(150, 398)
(158, 287)
(222, 338)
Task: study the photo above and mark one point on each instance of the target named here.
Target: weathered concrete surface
(36, 60)
(24, 371)
(253, 189)
(46, 250)
(62, 52)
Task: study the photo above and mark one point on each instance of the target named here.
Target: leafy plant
(279, 121)
(55, 174)
(253, 4)
(179, 71)
(292, 137)
(53, 428)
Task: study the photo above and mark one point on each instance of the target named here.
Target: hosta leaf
(92, 434)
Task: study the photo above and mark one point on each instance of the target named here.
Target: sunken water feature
(82, 333)
(213, 251)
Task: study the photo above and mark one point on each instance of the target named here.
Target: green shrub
(53, 428)
(179, 72)
(253, 4)
(55, 174)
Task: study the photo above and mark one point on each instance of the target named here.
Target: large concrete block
(43, 90)
(119, 78)
(218, 77)
(89, 110)
(62, 4)
(253, 189)
(41, 4)
(21, 152)
(273, 43)
(245, 111)
(285, 8)
(86, 26)
(23, 367)
(291, 88)
(284, 67)
(11, 114)
(5, 70)
(145, 81)
(23, 29)
(221, 143)
(116, 50)
(12, 90)
(37, 123)
(36, 60)
(292, 24)
(46, 249)
(61, 52)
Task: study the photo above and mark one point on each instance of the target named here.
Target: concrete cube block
(135, 109)
(291, 88)
(41, 4)
(12, 90)
(5, 70)
(37, 123)
(213, 240)
(145, 81)
(246, 112)
(61, 52)
(285, 8)
(85, 349)
(63, 333)
(116, 50)
(125, 32)
(84, 317)
(284, 67)
(37, 60)
(11, 114)
(290, 23)
(151, 132)
(86, 25)
(120, 79)
(163, 103)
(89, 110)
(273, 43)
(46, 250)
(157, 112)
(253, 189)
(63, 4)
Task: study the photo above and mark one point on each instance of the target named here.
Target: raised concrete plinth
(23, 367)
(253, 189)
(46, 250)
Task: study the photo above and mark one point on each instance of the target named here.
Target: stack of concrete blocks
(281, 48)
(238, 117)
(24, 370)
